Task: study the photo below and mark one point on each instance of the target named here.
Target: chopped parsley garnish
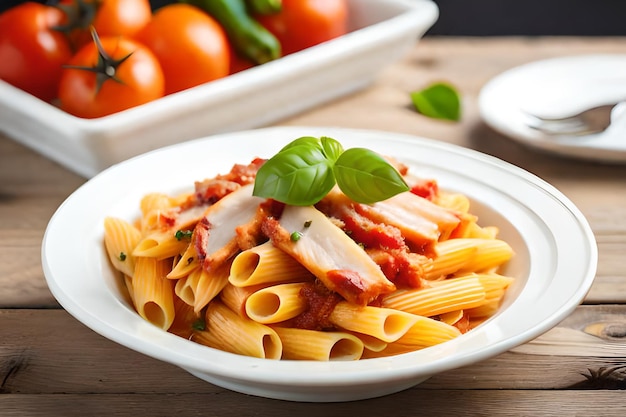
(183, 234)
(198, 325)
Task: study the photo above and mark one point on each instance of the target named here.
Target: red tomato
(136, 80)
(108, 17)
(31, 53)
(304, 23)
(190, 45)
(238, 63)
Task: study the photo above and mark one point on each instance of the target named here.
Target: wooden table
(51, 365)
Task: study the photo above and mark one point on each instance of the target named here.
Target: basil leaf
(439, 101)
(298, 175)
(366, 177)
(332, 148)
(303, 141)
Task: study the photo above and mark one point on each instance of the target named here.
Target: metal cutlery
(593, 120)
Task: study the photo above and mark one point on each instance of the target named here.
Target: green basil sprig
(306, 169)
(439, 101)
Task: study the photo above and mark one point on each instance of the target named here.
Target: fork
(593, 120)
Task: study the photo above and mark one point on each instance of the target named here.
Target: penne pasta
(153, 293)
(209, 285)
(302, 344)
(452, 317)
(370, 343)
(227, 330)
(264, 264)
(339, 280)
(448, 295)
(201, 286)
(128, 281)
(385, 324)
(495, 288)
(120, 238)
(185, 263)
(155, 202)
(477, 232)
(451, 256)
(453, 201)
(426, 332)
(186, 320)
(161, 244)
(276, 303)
(489, 255)
(235, 297)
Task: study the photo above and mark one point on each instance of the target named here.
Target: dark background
(515, 17)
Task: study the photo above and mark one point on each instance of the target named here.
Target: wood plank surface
(476, 403)
(35, 358)
(41, 372)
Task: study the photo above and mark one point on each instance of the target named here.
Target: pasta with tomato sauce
(337, 280)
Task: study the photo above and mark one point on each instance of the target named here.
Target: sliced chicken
(331, 255)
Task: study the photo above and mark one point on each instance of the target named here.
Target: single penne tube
(155, 202)
(481, 232)
(452, 317)
(186, 320)
(185, 263)
(451, 256)
(235, 297)
(209, 285)
(444, 296)
(490, 254)
(266, 263)
(158, 210)
(228, 331)
(453, 201)
(185, 287)
(276, 303)
(128, 281)
(385, 324)
(487, 309)
(120, 239)
(160, 245)
(302, 344)
(426, 332)
(153, 206)
(495, 287)
(494, 282)
(153, 293)
(370, 343)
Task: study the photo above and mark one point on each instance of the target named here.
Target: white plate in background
(381, 31)
(556, 87)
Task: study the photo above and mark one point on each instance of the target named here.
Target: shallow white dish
(554, 265)
(556, 87)
(381, 31)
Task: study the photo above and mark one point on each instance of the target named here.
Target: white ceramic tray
(381, 31)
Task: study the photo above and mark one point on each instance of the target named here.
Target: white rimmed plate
(556, 87)
(554, 265)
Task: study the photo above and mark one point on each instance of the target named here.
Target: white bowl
(381, 31)
(554, 264)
